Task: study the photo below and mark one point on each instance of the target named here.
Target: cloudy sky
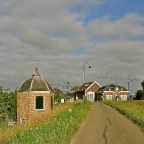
(63, 35)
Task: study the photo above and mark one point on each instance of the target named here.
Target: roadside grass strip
(57, 129)
(132, 109)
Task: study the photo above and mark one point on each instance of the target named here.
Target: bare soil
(105, 125)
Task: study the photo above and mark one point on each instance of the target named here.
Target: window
(108, 97)
(123, 97)
(23, 120)
(39, 102)
(90, 97)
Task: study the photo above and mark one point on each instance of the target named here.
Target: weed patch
(57, 129)
(132, 109)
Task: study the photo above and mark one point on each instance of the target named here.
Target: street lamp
(84, 70)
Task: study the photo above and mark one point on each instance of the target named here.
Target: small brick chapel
(35, 99)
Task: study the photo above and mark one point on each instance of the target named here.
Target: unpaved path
(105, 125)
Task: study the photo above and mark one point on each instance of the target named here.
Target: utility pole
(128, 81)
(84, 70)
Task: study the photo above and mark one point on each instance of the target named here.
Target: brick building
(87, 90)
(114, 92)
(35, 98)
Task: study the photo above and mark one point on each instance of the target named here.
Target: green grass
(59, 129)
(132, 109)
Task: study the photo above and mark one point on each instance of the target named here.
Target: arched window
(39, 102)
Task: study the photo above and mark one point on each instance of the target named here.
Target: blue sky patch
(115, 10)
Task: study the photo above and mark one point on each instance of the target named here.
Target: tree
(142, 84)
(7, 105)
(140, 93)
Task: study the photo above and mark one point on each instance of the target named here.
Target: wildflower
(70, 110)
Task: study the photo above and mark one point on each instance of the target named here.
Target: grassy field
(132, 109)
(57, 128)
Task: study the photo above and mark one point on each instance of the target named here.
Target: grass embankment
(132, 109)
(58, 128)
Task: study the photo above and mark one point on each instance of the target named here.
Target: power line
(64, 87)
(122, 78)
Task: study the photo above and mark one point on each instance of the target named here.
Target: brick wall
(26, 105)
(93, 88)
(116, 93)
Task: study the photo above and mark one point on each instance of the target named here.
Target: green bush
(7, 106)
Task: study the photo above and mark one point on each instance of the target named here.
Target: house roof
(93, 84)
(35, 83)
(73, 89)
(57, 91)
(112, 87)
(85, 86)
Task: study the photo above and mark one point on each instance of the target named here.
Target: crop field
(132, 109)
(57, 128)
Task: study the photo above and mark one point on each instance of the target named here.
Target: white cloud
(129, 26)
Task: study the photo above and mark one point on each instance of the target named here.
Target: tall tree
(140, 93)
(142, 84)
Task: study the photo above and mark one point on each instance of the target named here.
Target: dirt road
(105, 125)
